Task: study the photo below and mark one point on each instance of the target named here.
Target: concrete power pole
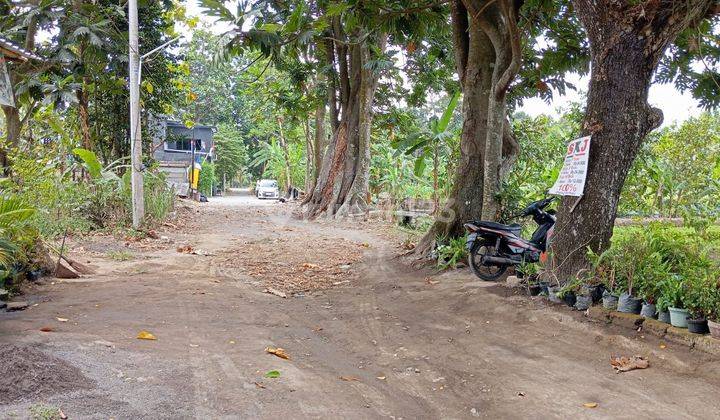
(136, 181)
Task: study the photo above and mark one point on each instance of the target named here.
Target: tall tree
(493, 41)
(627, 41)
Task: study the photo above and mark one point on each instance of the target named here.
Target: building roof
(171, 123)
(14, 52)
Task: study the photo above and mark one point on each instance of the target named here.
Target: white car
(267, 188)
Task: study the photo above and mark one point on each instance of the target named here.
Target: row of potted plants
(655, 272)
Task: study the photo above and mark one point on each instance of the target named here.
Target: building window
(177, 142)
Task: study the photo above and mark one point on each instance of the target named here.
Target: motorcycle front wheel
(484, 271)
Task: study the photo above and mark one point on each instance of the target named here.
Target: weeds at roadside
(45, 412)
(120, 255)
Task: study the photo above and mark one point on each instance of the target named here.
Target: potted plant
(699, 300)
(530, 273)
(714, 312)
(653, 273)
(553, 293)
(603, 272)
(588, 285)
(663, 313)
(627, 301)
(568, 292)
(673, 294)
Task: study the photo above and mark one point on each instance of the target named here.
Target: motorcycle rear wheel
(484, 272)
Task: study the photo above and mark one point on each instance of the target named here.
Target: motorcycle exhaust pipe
(499, 260)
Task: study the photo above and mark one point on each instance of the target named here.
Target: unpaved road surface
(367, 335)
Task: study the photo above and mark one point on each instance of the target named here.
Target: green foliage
(677, 173)
(450, 251)
(159, 198)
(270, 159)
(672, 292)
(14, 214)
(664, 264)
(207, 179)
(120, 255)
(701, 297)
(542, 143)
(232, 155)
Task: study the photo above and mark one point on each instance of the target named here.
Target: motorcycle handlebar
(540, 204)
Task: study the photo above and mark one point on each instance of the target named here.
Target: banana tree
(427, 144)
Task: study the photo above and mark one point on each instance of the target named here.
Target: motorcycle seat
(515, 228)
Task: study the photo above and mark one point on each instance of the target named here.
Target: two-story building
(174, 146)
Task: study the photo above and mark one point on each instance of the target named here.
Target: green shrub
(207, 179)
(665, 264)
(451, 251)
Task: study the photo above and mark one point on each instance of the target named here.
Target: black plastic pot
(544, 287)
(569, 298)
(583, 302)
(664, 316)
(34, 275)
(534, 289)
(610, 301)
(629, 304)
(595, 291)
(648, 310)
(553, 294)
(698, 326)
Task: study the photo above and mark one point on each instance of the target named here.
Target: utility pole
(136, 179)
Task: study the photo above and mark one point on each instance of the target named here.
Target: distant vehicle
(267, 188)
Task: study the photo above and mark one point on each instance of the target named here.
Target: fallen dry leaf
(259, 385)
(349, 378)
(276, 292)
(186, 249)
(625, 364)
(663, 346)
(144, 335)
(277, 351)
(310, 265)
(47, 329)
(590, 405)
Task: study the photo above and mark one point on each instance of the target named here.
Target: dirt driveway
(378, 340)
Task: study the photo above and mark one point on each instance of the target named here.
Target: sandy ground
(378, 340)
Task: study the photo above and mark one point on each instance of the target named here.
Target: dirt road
(382, 341)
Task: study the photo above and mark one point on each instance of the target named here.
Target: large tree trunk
(499, 23)
(484, 118)
(309, 179)
(473, 60)
(84, 117)
(626, 43)
(286, 156)
(318, 141)
(13, 127)
(343, 182)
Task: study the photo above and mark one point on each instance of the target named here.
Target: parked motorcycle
(493, 247)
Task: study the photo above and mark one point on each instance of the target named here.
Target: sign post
(571, 181)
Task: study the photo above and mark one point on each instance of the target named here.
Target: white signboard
(6, 94)
(574, 171)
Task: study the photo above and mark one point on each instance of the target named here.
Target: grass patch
(120, 255)
(44, 412)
